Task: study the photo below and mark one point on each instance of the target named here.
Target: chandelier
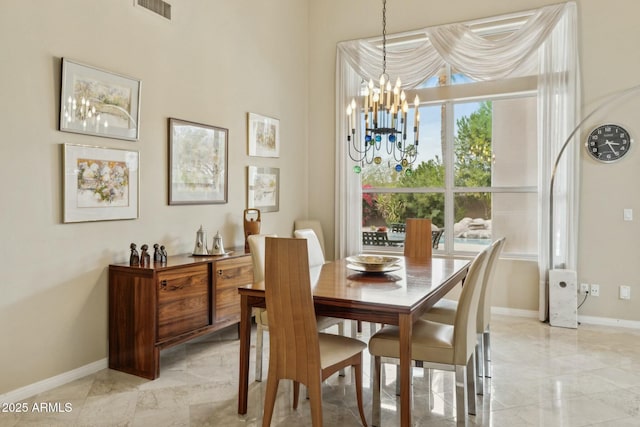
(385, 120)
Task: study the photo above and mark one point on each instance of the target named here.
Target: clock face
(608, 143)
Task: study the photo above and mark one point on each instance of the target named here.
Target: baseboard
(53, 382)
(587, 320)
(607, 321)
(514, 312)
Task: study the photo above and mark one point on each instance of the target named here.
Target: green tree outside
(472, 168)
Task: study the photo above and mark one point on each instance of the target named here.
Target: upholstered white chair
(297, 351)
(444, 311)
(257, 249)
(316, 255)
(438, 345)
(301, 224)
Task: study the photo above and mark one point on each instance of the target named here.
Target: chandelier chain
(384, 37)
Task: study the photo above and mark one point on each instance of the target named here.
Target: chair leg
(461, 401)
(479, 356)
(487, 353)
(341, 332)
(296, 394)
(358, 372)
(314, 388)
(471, 384)
(375, 407)
(269, 400)
(259, 346)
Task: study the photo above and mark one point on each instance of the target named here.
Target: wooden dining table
(396, 297)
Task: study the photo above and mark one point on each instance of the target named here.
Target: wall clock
(608, 143)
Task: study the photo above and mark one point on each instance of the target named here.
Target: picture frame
(98, 102)
(264, 136)
(198, 159)
(100, 184)
(263, 188)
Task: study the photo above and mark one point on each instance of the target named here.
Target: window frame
(448, 96)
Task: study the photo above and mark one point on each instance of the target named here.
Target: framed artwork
(263, 188)
(197, 163)
(98, 102)
(264, 136)
(100, 184)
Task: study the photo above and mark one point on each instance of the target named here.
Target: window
(476, 174)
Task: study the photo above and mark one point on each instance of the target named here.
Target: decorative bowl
(373, 262)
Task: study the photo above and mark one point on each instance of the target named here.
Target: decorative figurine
(145, 258)
(163, 255)
(134, 259)
(200, 247)
(157, 256)
(218, 247)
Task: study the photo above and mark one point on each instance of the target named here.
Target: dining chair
(316, 259)
(298, 351)
(257, 248)
(444, 311)
(439, 345)
(397, 227)
(418, 238)
(435, 236)
(375, 238)
(300, 224)
(316, 255)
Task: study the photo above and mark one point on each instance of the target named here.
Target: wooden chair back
(294, 347)
(418, 238)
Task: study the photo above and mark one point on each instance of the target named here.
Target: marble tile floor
(542, 376)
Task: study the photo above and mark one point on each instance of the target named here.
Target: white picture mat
(108, 187)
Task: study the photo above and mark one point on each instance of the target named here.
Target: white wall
(213, 63)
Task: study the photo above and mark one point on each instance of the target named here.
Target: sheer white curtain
(545, 42)
(348, 191)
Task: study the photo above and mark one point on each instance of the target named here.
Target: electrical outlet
(625, 292)
(584, 288)
(595, 291)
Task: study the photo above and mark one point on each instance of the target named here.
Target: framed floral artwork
(197, 163)
(263, 188)
(100, 184)
(98, 102)
(264, 136)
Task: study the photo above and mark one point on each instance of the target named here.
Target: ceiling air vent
(160, 7)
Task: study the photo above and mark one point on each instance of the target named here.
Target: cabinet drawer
(229, 275)
(183, 300)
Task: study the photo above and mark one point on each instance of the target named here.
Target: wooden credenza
(156, 307)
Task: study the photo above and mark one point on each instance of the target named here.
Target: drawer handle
(219, 272)
(163, 284)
